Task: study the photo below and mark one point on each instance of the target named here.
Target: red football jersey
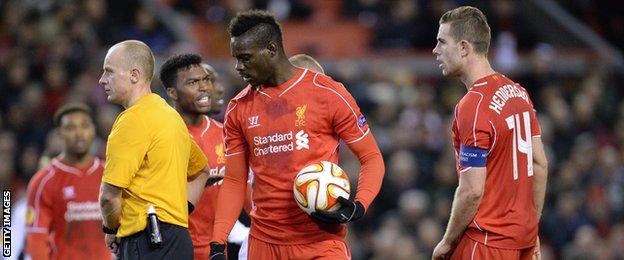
(497, 115)
(283, 129)
(63, 203)
(209, 136)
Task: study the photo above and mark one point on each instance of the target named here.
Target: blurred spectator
(148, 30)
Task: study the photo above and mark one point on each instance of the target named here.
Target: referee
(150, 156)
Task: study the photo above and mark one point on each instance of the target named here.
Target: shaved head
(127, 72)
(306, 62)
(136, 55)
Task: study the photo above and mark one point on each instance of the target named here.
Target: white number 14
(521, 145)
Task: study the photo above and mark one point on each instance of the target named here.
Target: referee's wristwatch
(108, 230)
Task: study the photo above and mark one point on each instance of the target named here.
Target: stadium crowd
(51, 53)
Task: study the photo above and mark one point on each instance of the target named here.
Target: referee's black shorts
(177, 244)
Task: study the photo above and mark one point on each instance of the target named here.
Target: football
(318, 186)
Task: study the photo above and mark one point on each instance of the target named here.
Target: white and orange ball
(318, 186)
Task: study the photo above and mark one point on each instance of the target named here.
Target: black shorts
(177, 244)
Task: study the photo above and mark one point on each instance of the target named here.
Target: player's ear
(464, 48)
(135, 75)
(172, 93)
(272, 48)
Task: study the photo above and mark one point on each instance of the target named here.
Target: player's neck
(213, 113)
(140, 91)
(283, 73)
(478, 68)
(192, 119)
(76, 160)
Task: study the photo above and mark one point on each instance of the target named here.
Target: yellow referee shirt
(150, 155)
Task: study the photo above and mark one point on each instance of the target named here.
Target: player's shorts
(470, 249)
(327, 249)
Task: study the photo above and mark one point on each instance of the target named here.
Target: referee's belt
(163, 226)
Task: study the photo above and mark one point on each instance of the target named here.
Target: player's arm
(247, 207)
(232, 192)
(38, 246)
(540, 175)
(465, 203)
(369, 183)
(110, 204)
(231, 196)
(39, 221)
(371, 171)
(351, 126)
(195, 188)
(472, 159)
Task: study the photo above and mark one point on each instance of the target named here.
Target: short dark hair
(70, 108)
(470, 24)
(262, 22)
(169, 70)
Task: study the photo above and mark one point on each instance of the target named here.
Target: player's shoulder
(473, 99)
(329, 88)
(506, 80)
(321, 80)
(242, 95)
(41, 177)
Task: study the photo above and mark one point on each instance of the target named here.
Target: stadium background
(566, 53)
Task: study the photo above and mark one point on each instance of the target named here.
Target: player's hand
(212, 179)
(112, 243)
(536, 250)
(217, 251)
(348, 211)
(442, 251)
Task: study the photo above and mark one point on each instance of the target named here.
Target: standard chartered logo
(280, 142)
(302, 140)
(83, 211)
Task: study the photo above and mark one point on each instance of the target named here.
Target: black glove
(349, 211)
(217, 251)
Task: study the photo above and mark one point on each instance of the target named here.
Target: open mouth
(80, 144)
(203, 101)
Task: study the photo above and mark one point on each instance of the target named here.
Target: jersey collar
(201, 128)
(67, 167)
(284, 87)
(487, 79)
